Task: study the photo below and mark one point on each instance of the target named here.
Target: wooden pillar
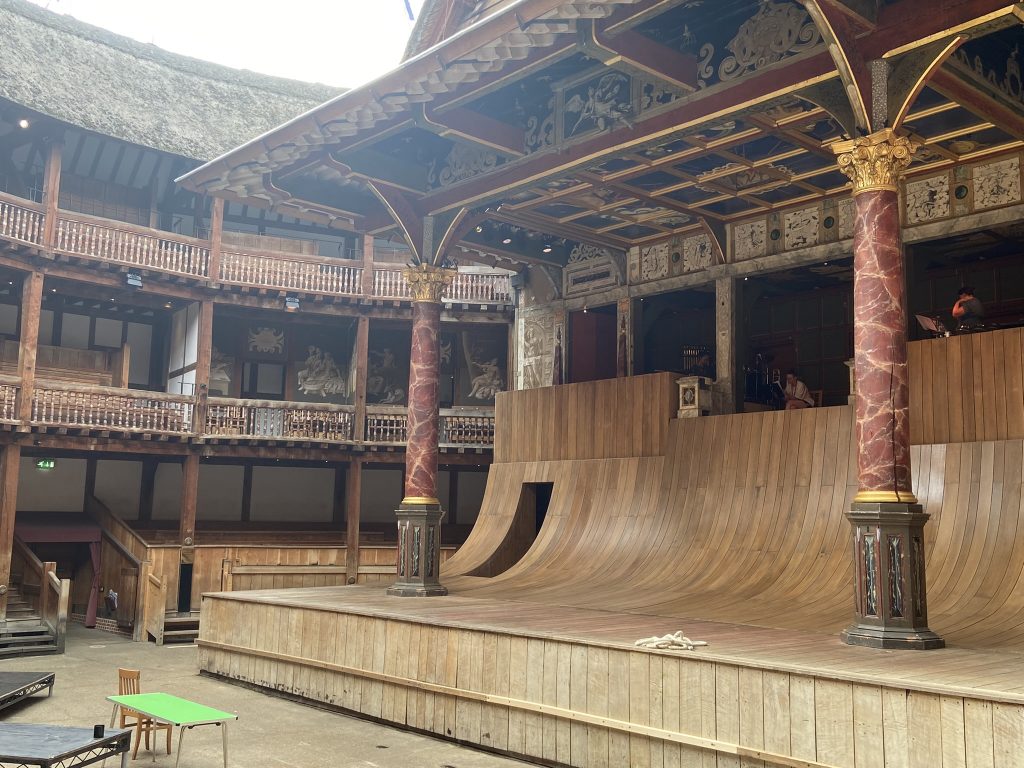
(724, 393)
(204, 351)
(10, 462)
(353, 503)
(419, 514)
(31, 309)
(888, 523)
(216, 237)
(367, 284)
(189, 500)
(51, 194)
(361, 350)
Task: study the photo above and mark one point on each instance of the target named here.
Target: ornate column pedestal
(888, 523)
(419, 514)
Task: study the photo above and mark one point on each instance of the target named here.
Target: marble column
(888, 523)
(420, 513)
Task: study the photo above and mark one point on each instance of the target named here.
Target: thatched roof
(102, 82)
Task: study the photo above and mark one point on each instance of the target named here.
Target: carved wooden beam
(472, 126)
(403, 213)
(637, 54)
(949, 84)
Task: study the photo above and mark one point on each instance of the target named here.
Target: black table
(57, 746)
(15, 686)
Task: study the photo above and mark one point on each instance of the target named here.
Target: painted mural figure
(488, 382)
(382, 380)
(321, 376)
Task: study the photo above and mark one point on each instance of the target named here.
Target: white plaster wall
(381, 495)
(220, 492)
(167, 492)
(303, 494)
(471, 494)
(61, 489)
(118, 484)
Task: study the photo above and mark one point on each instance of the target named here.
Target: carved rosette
(428, 283)
(875, 162)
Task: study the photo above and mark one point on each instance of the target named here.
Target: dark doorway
(531, 511)
(185, 588)
(592, 344)
(676, 330)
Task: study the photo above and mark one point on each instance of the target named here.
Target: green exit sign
(46, 463)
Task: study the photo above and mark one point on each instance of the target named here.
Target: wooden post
(367, 285)
(204, 351)
(216, 236)
(353, 501)
(31, 308)
(10, 462)
(362, 353)
(724, 395)
(189, 497)
(51, 194)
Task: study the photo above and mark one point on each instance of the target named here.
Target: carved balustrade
(467, 288)
(111, 408)
(9, 386)
(467, 427)
(21, 220)
(387, 424)
(81, 235)
(307, 275)
(278, 420)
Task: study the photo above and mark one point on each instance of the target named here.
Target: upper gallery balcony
(237, 262)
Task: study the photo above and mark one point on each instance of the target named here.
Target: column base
(891, 600)
(419, 549)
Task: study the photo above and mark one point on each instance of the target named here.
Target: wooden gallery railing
(21, 220)
(48, 595)
(278, 419)
(9, 386)
(132, 246)
(110, 408)
(471, 427)
(81, 235)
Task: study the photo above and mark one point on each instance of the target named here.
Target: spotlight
(479, 229)
(291, 304)
(23, 123)
(584, 309)
(168, 305)
(133, 280)
(546, 249)
(506, 241)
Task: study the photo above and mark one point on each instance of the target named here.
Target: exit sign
(46, 463)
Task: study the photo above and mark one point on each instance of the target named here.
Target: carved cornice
(428, 283)
(875, 162)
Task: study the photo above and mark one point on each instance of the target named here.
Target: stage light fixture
(506, 241)
(547, 249)
(23, 123)
(291, 304)
(133, 280)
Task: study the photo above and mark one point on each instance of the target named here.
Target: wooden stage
(729, 528)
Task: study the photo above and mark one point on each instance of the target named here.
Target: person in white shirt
(797, 394)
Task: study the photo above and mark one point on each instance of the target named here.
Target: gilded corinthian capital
(428, 282)
(875, 162)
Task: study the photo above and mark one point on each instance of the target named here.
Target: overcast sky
(337, 42)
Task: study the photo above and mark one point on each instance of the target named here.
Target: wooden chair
(817, 395)
(127, 685)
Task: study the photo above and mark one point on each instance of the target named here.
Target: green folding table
(165, 708)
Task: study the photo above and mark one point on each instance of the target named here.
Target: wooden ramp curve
(741, 521)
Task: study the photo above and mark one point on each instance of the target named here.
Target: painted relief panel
(928, 199)
(649, 262)
(535, 331)
(997, 184)
(480, 366)
(600, 103)
(750, 240)
(801, 228)
(321, 369)
(387, 366)
(845, 216)
(698, 253)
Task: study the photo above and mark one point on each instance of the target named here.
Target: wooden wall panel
(592, 705)
(614, 418)
(967, 388)
(743, 521)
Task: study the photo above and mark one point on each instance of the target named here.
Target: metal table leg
(224, 727)
(181, 738)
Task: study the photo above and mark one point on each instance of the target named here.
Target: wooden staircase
(24, 633)
(181, 627)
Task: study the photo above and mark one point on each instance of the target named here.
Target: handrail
(111, 408)
(58, 618)
(107, 518)
(24, 202)
(99, 389)
(341, 408)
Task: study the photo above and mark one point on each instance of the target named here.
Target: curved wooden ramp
(741, 521)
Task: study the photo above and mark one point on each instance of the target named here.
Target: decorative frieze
(927, 199)
(750, 240)
(590, 269)
(801, 228)
(678, 255)
(997, 184)
(536, 341)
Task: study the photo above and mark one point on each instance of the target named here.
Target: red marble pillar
(419, 514)
(424, 362)
(888, 523)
